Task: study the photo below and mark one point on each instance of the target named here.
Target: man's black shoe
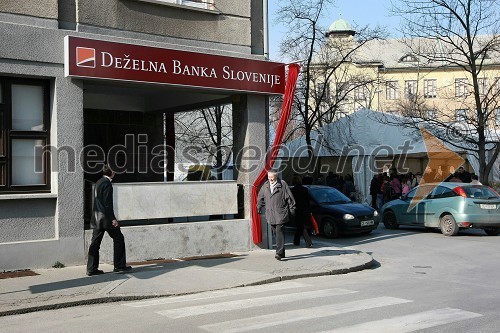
(278, 257)
(96, 272)
(122, 269)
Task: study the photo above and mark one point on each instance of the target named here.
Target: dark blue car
(336, 214)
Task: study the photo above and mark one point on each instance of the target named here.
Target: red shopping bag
(314, 225)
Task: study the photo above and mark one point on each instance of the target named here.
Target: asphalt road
(424, 282)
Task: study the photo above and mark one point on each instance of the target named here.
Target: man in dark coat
(276, 197)
(103, 220)
(302, 212)
(375, 189)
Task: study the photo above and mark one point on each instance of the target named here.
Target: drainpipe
(265, 31)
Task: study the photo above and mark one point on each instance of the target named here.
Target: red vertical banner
(286, 109)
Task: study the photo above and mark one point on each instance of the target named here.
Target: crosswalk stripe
(409, 323)
(275, 319)
(251, 303)
(219, 293)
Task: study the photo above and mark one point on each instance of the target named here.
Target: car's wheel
(390, 220)
(492, 231)
(448, 225)
(330, 229)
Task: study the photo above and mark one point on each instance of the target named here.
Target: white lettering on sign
(230, 74)
(108, 60)
(199, 71)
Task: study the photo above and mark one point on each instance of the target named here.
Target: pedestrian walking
(275, 196)
(103, 220)
(302, 212)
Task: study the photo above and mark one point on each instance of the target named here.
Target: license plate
(365, 223)
(486, 206)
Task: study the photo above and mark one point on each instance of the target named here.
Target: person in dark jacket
(276, 197)
(103, 220)
(302, 212)
(374, 190)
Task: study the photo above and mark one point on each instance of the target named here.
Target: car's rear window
(328, 196)
(482, 192)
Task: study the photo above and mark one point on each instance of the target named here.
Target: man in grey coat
(276, 197)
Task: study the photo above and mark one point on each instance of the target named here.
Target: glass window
(461, 87)
(27, 108)
(24, 124)
(497, 117)
(480, 191)
(430, 88)
(205, 4)
(411, 89)
(442, 192)
(323, 92)
(27, 162)
(1, 134)
(483, 86)
(392, 90)
(328, 196)
(2, 174)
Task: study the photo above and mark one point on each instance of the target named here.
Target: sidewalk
(69, 286)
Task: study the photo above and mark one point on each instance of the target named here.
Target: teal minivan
(448, 206)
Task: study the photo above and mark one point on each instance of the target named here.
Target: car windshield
(480, 191)
(328, 196)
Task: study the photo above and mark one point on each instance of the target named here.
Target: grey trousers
(279, 236)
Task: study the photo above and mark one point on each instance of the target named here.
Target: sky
(355, 12)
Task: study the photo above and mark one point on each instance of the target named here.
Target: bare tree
(457, 35)
(328, 78)
(206, 134)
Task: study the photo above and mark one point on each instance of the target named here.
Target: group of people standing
(384, 188)
(281, 204)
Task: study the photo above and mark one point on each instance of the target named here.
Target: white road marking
(409, 323)
(251, 303)
(275, 319)
(219, 293)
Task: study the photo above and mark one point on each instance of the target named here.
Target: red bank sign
(89, 58)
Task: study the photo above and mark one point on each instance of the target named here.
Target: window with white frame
(483, 86)
(203, 4)
(411, 89)
(359, 93)
(342, 90)
(497, 85)
(24, 131)
(392, 90)
(461, 87)
(430, 88)
(323, 92)
(460, 115)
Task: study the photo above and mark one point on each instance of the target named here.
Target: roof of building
(340, 26)
(395, 53)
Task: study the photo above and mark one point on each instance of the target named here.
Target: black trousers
(279, 235)
(119, 258)
(302, 231)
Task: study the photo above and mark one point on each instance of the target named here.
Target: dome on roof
(340, 25)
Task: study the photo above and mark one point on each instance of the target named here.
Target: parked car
(449, 207)
(336, 214)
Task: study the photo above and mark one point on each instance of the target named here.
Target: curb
(113, 299)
